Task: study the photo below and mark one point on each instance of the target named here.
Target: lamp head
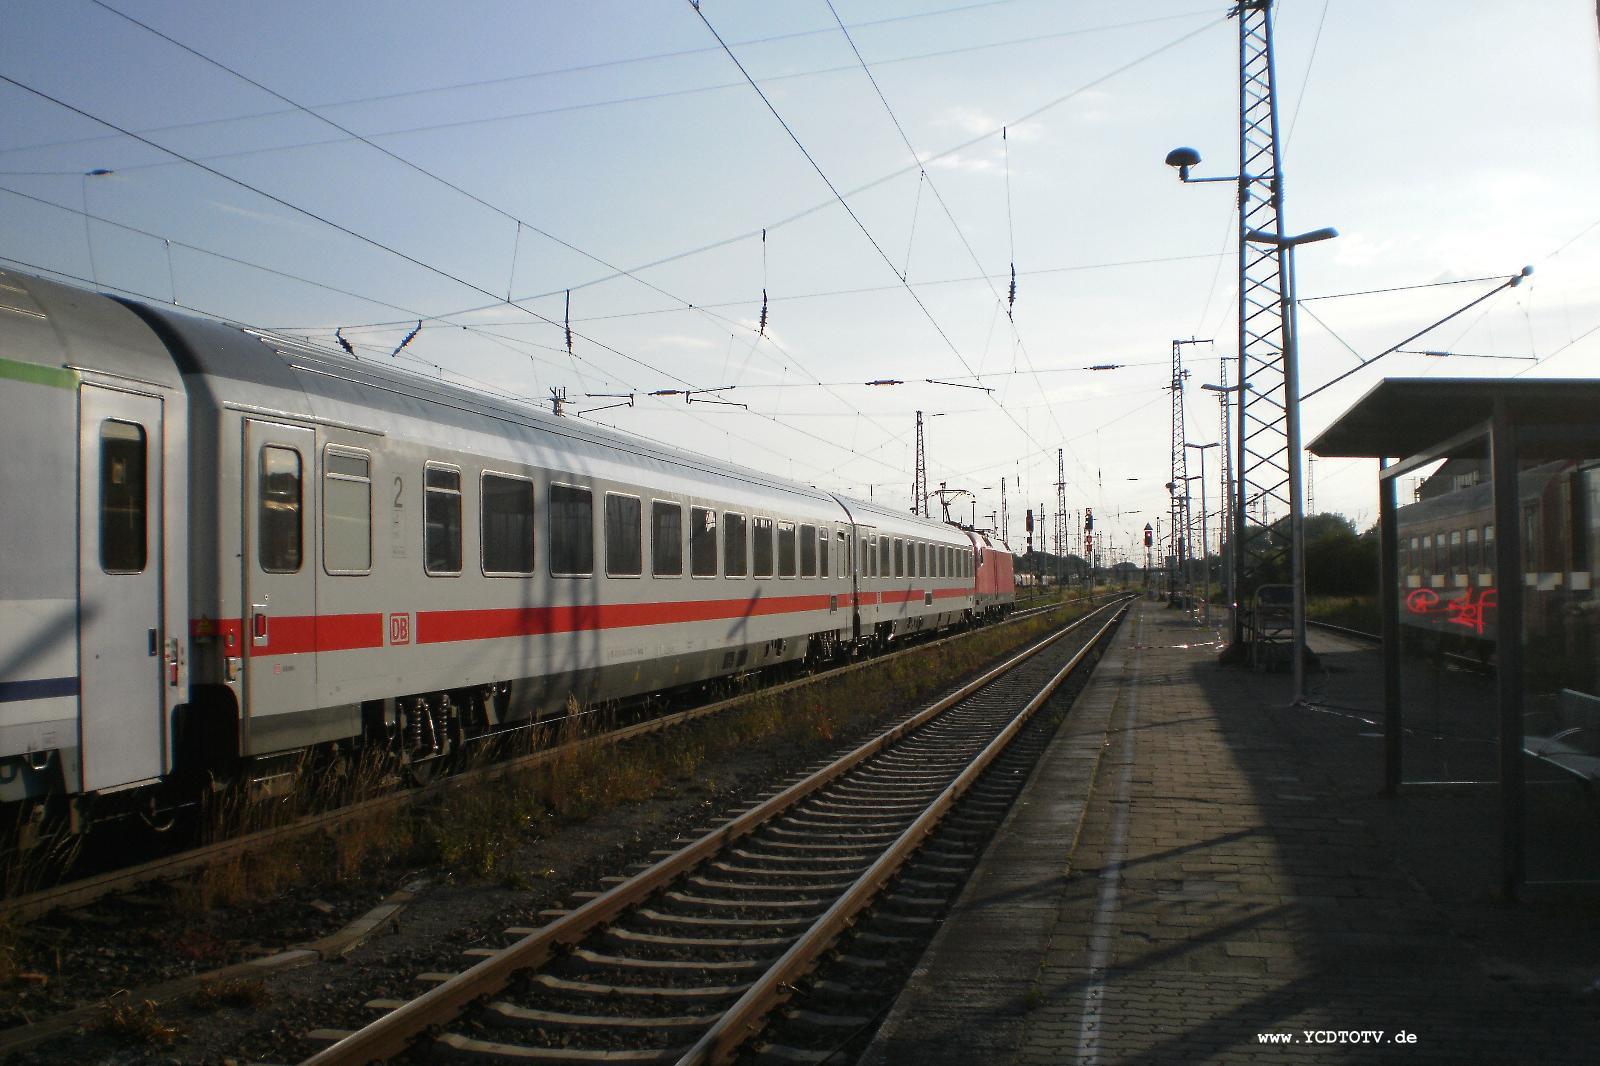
(1183, 159)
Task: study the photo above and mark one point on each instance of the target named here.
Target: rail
(391, 1034)
(86, 890)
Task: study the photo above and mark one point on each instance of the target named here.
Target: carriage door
(120, 704)
(280, 623)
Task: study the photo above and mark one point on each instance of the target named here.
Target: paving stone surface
(1198, 871)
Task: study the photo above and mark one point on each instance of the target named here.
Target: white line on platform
(1101, 936)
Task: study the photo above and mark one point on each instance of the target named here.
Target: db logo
(400, 628)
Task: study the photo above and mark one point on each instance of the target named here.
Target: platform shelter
(1489, 509)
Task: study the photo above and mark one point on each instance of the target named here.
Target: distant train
(226, 548)
(1450, 588)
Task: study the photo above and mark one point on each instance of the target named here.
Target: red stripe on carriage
(437, 627)
(298, 635)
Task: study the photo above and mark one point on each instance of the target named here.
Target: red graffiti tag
(1469, 611)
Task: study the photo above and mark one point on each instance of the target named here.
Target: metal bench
(1573, 744)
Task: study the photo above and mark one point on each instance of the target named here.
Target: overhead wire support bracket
(955, 385)
(693, 395)
(626, 399)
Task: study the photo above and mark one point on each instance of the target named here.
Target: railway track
(85, 890)
(686, 960)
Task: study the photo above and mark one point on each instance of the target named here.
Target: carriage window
(733, 551)
(624, 552)
(944, 560)
(346, 513)
(922, 560)
(571, 531)
(808, 551)
(824, 538)
(441, 515)
(885, 549)
(847, 563)
(280, 533)
(123, 500)
(702, 542)
(761, 550)
(666, 540)
(507, 525)
(899, 557)
(869, 556)
(786, 552)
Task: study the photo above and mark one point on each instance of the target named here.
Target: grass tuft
(139, 1023)
(235, 992)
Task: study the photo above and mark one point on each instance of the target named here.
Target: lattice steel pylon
(1264, 496)
(1178, 487)
(919, 480)
(1062, 546)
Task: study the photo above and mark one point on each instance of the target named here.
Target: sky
(498, 171)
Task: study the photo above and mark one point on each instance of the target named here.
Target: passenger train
(225, 548)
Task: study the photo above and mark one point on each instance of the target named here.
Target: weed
(233, 992)
(139, 1023)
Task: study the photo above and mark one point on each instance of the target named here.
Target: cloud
(959, 161)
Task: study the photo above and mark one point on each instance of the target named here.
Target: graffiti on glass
(1468, 611)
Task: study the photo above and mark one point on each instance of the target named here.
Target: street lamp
(1288, 305)
(1183, 159)
(1205, 575)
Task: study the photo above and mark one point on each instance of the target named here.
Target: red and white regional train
(224, 548)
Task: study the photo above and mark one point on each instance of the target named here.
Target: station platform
(1199, 872)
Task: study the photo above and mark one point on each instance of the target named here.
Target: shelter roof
(1403, 416)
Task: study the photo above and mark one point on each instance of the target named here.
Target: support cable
(1512, 282)
(882, 179)
(346, 230)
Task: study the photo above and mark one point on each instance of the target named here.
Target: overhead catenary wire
(1311, 62)
(346, 230)
(1508, 283)
(939, 198)
(520, 223)
(1011, 232)
(512, 287)
(396, 252)
(581, 68)
(1399, 288)
(882, 179)
(569, 108)
(716, 305)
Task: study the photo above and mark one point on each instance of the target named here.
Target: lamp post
(1188, 542)
(1205, 572)
(1225, 525)
(1291, 387)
